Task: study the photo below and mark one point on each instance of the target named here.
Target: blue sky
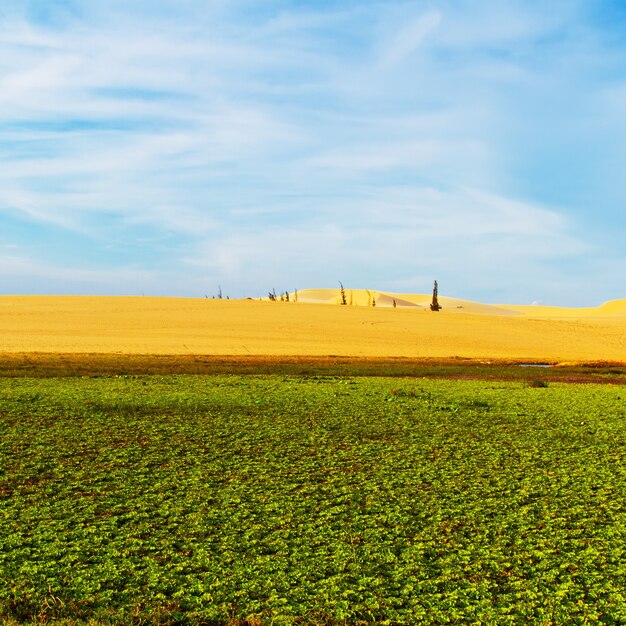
(168, 147)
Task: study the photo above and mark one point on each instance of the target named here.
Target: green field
(281, 499)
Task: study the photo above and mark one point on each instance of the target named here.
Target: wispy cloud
(230, 142)
(407, 39)
(57, 279)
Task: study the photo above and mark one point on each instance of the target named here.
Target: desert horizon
(181, 445)
(372, 324)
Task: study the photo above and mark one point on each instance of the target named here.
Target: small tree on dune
(434, 305)
(343, 294)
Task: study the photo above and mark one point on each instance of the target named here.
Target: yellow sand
(146, 325)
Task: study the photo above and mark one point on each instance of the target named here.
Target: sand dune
(364, 297)
(357, 297)
(613, 307)
(608, 309)
(146, 325)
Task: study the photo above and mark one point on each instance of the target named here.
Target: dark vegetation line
(42, 365)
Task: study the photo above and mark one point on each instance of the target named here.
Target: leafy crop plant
(310, 500)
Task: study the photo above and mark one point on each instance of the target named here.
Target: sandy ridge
(364, 297)
(147, 325)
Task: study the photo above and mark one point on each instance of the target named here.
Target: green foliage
(342, 293)
(434, 305)
(312, 500)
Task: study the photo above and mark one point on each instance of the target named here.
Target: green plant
(342, 294)
(434, 305)
(310, 499)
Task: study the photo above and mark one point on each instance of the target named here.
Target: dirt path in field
(47, 365)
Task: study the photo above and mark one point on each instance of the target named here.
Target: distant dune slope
(366, 297)
(146, 325)
(608, 309)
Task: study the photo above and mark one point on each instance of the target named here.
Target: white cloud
(309, 138)
(408, 38)
(394, 238)
(19, 268)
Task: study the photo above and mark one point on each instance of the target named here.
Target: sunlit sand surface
(312, 327)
